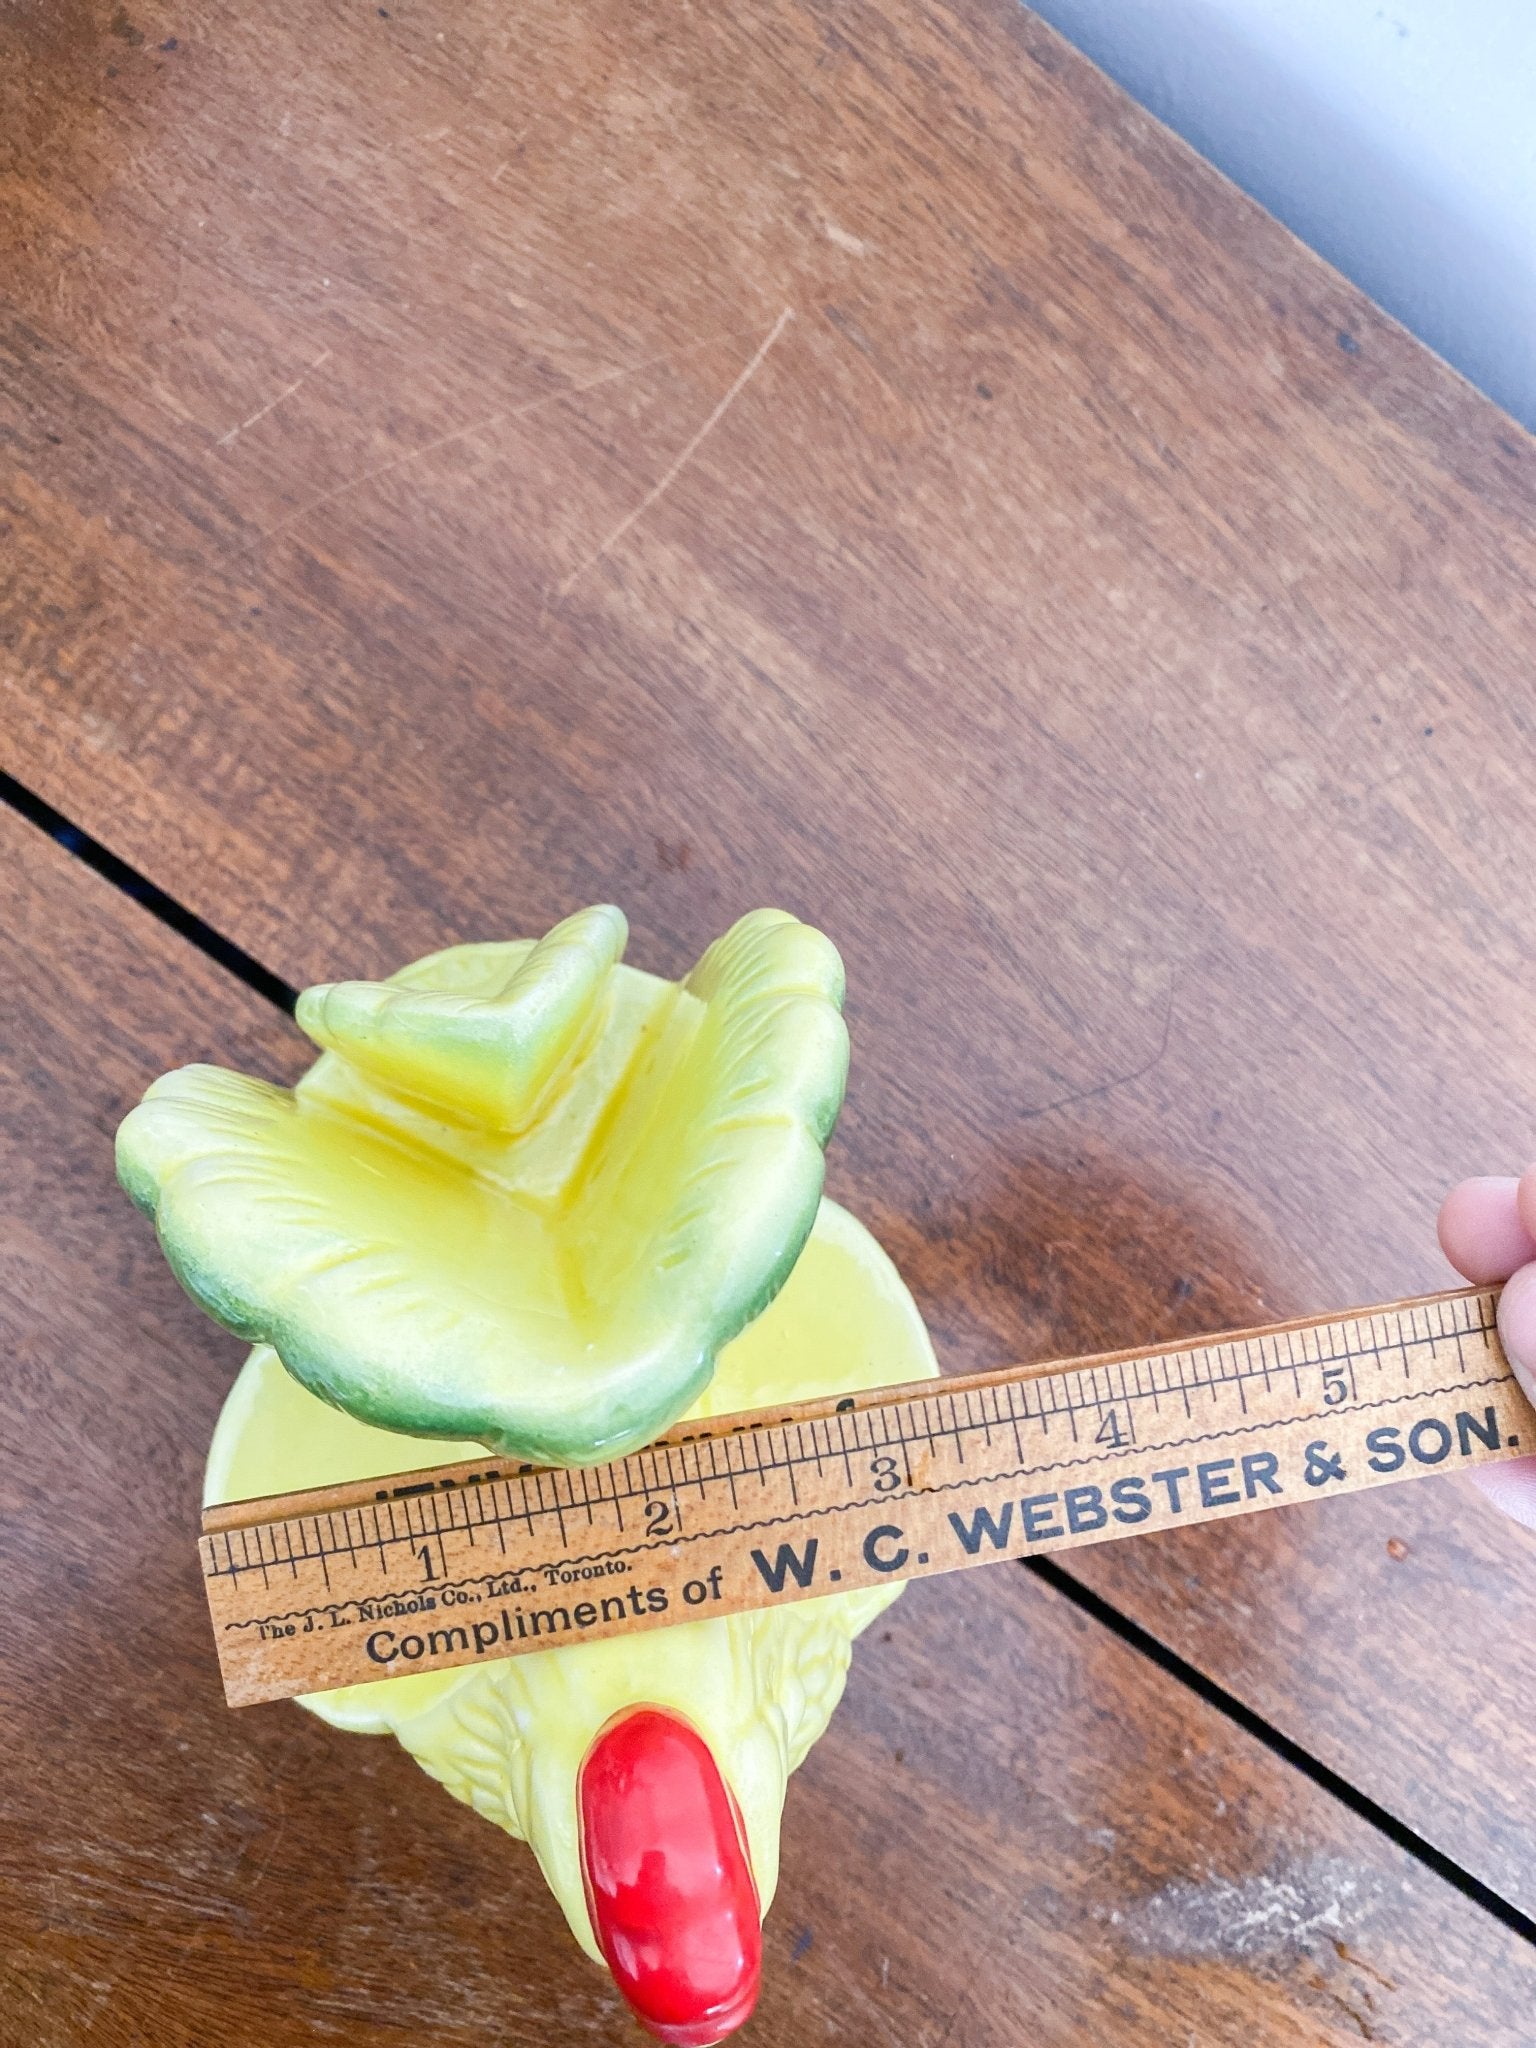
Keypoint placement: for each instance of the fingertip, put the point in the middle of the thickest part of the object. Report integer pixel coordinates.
(1517, 1324)
(1482, 1230)
(1511, 1487)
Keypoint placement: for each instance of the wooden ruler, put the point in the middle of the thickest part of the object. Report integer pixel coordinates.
(467, 1563)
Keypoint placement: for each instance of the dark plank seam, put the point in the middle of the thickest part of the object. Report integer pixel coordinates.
(1136, 1638)
(102, 861)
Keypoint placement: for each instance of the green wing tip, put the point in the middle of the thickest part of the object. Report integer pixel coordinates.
(210, 1161)
(137, 1182)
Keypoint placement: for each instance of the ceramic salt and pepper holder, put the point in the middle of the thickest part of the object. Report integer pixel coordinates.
(533, 1200)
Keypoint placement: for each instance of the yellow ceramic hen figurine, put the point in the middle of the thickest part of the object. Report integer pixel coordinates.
(532, 1199)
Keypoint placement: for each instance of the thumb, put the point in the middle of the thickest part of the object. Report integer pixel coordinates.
(1517, 1326)
(1512, 1486)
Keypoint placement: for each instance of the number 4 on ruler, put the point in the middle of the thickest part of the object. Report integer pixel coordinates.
(1113, 1432)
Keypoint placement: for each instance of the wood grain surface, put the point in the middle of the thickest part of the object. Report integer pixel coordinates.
(460, 467)
(1040, 1835)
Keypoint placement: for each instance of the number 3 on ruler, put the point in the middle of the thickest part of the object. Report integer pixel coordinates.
(885, 1475)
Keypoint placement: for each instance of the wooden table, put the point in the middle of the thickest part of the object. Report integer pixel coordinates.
(464, 462)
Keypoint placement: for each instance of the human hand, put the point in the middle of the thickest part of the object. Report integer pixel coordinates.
(1488, 1232)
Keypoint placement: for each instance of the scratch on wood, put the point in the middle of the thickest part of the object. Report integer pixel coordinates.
(1115, 1080)
(272, 403)
(676, 468)
(848, 330)
(841, 238)
(1298, 1908)
(234, 557)
(272, 1848)
(103, 1987)
(514, 148)
(954, 2020)
(469, 432)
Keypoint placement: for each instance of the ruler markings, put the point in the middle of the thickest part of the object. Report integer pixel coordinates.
(842, 1452)
(314, 1546)
(1290, 1418)
(731, 1476)
(1352, 1359)
(1024, 1471)
(841, 1507)
(789, 1473)
(900, 1443)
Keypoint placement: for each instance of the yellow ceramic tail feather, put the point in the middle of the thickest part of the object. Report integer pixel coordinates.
(484, 1060)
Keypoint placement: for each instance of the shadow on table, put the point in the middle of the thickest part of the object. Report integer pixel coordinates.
(1050, 1259)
